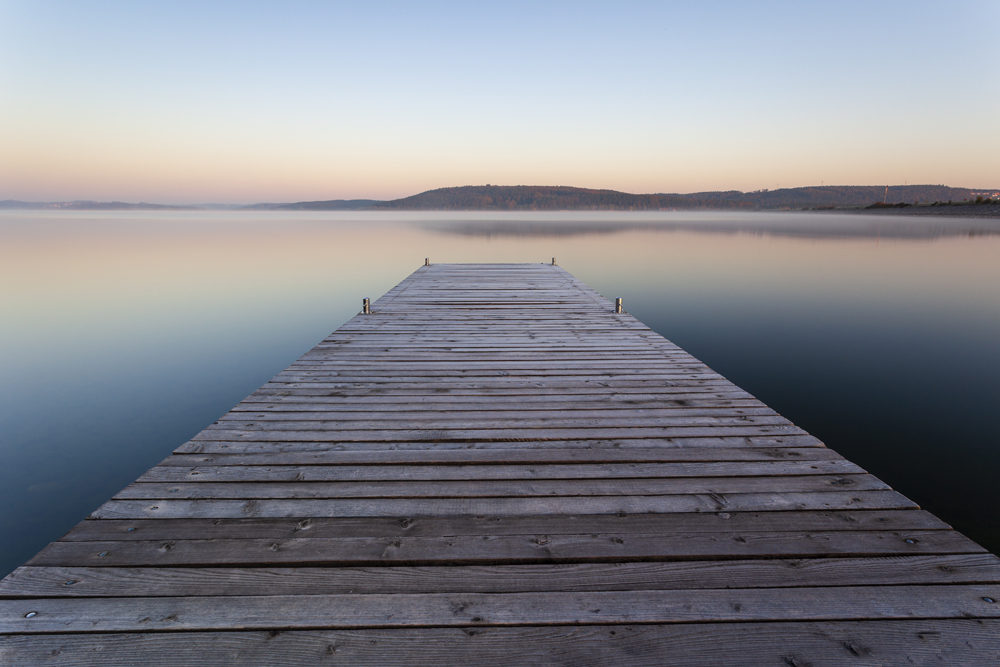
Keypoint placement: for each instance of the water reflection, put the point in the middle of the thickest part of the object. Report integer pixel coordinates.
(123, 334)
(799, 225)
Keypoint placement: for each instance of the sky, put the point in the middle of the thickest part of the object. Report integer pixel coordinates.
(244, 102)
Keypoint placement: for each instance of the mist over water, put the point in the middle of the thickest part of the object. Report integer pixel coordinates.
(124, 334)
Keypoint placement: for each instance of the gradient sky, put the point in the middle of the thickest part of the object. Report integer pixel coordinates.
(247, 102)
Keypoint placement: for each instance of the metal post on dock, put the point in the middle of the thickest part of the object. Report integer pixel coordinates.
(366, 307)
(618, 306)
(427, 261)
(553, 261)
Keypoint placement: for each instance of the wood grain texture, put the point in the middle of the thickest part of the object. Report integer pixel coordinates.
(494, 488)
(535, 456)
(494, 467)
(51, 581)
(824, 644)
(401, 610)
(213, 508)
(465, 550)
(497, 471)
(556, 524)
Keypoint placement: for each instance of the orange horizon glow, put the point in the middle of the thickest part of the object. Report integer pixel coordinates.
(141, 103)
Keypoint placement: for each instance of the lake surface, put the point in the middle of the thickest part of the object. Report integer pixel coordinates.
(124, 334)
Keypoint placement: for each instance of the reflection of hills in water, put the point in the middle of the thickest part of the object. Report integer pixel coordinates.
(815, 225)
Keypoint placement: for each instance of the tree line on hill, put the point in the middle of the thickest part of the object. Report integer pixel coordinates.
(545, 198)
(841, 196)
(564, 198)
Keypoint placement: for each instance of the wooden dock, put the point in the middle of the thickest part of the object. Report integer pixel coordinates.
(495, 468)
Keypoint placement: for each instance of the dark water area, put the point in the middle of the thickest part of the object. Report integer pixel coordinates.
(124, 334)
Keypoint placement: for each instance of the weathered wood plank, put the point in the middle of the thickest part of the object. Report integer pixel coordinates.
(623, 415)
(433, 364)
(248, 423)
(651, 391)
(385, 375)
(701, 443)
(485, 609)
(666, 575)
(500, 384)
(341, 402)
(620, 524)
(504, 506)
(499, 487)
(317, 473)
(463, 550)
(535, 456)
(499, 432)
(900, 643)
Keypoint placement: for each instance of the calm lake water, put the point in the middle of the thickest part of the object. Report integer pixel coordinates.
(124, 334)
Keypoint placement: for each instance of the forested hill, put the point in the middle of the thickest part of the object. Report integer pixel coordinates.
(563, 198)
(839, 195)
(545, 198)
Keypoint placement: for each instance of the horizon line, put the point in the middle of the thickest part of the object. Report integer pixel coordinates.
(58, 202)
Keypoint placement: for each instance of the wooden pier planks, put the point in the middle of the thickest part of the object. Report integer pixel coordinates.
(494, 466)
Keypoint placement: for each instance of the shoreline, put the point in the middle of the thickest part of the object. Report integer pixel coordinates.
(946, 211)
(981, 211)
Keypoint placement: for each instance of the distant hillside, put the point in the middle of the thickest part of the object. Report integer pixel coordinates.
(564, 198)
(544, 198)
(839, 196)
(331, 205)
(91, 206)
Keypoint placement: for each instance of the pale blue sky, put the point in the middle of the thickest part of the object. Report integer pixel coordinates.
(246, 102)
